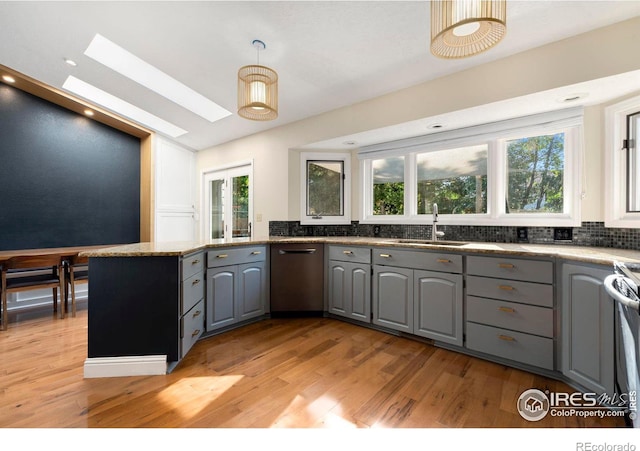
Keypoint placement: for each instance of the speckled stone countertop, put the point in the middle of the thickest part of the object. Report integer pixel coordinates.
(596, 255)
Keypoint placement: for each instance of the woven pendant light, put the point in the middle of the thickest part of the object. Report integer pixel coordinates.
(257, 90)
(462, 28)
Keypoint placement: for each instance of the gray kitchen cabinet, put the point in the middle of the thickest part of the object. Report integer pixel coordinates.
(252, 283)
(222, 292)
(419, 292)
(587, 328)
(393, 298)
(236, 286)
(509, 307)
(438, 306)
(349, 282)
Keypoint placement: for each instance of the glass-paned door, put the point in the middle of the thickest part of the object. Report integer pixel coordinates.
(228, 202)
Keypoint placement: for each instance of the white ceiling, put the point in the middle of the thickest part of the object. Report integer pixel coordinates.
(328, 54)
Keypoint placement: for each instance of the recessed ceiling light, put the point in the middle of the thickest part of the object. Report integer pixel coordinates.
(70, 62)
(435, 126)
(8, 79)
(125, 63)
(350, 143)
(572, 97)
(119, 106)
(88, 113)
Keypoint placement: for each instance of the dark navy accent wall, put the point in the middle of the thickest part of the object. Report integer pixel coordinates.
(65, 180)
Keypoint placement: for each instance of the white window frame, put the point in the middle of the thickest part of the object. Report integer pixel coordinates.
(495, 136)
(615, 165)
(345, 158)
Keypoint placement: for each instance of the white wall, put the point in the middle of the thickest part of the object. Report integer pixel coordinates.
(600, 53)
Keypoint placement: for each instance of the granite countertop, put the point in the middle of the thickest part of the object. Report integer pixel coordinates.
(596, 255)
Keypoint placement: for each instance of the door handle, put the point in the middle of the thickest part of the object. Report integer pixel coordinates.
(296, 251)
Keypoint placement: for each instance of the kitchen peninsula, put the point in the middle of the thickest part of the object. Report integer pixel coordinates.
(150, 302)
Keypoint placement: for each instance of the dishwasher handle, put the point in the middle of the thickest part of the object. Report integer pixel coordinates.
(296, 251)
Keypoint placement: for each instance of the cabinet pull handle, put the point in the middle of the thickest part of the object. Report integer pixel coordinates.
(385, 255)
(197, 313)
(195, 262)
(443, 260)
(195, 332)
(506, 265)
(221, 256)
(506, 338)
(507, 309)
(347, 252)
(195, 282)
(506, 287)
(256, 252)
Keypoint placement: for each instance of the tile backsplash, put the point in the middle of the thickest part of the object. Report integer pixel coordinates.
(588, 234)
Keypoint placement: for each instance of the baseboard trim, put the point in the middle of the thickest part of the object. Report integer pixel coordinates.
(145, 365)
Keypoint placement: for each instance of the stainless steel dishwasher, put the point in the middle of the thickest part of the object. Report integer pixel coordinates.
(297, 279)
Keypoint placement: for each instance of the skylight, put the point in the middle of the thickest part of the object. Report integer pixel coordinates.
(117, 105)
(120, 60)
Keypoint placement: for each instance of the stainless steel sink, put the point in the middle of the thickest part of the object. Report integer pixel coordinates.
(431, 242)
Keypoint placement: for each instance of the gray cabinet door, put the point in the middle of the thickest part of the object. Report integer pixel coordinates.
(221, 297)
(437, 307)
(359, 292)
(251, 290)
(393, 298)
(587, 328)
(338, 289)
(350, 290)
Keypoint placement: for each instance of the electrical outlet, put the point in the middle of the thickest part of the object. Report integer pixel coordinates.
(562, 234)
(376, 230)
(523, 234)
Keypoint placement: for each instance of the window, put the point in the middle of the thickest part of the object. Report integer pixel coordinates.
(455, 179)
(622, 163)
(524, 171)
(535, 174)
(388, 186)
(325, 184)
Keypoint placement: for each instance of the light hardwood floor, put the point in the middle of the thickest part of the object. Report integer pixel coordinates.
(278, 373)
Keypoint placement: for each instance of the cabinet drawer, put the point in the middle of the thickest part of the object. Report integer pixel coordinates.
(192, 291)
(511, 268)
(508, 315)
(235, 256)
(192, 326)
(517, 346)
(511, 290)
(191, 265)
(350, 254)
(427, 260)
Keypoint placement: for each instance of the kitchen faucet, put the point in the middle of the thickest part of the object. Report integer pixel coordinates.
(434, 229)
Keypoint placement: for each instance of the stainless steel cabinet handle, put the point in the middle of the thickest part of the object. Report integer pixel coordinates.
(195, 333)
(506, 265)
(195, 282)
(385, 255)
(296, 251)
(347, 252)
(506, 338)
(221, 256)
(507, 309)
(197, 313)
(195, 262)
(256, 252)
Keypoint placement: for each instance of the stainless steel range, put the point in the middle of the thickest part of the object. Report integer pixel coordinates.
(622, 286)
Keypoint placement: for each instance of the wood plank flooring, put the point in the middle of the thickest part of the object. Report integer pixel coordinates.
(278, 373)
